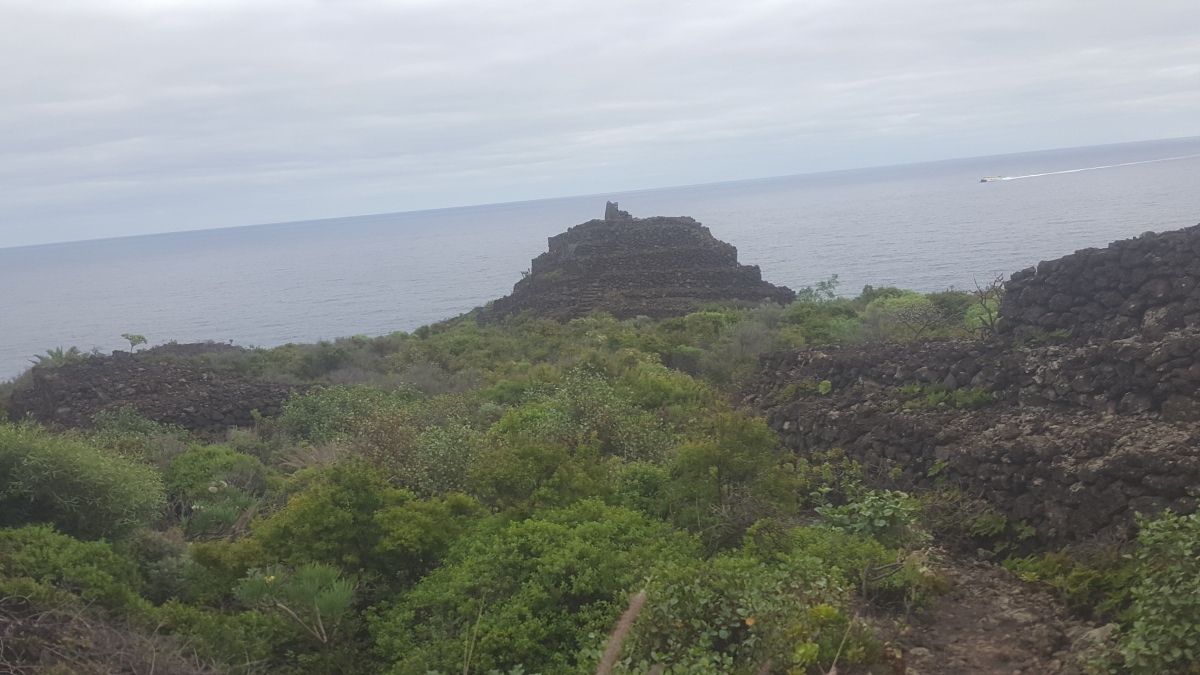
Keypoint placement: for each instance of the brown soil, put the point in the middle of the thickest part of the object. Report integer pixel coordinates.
(992, 623)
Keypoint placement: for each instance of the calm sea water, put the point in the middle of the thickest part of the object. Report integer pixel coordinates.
(924, 226)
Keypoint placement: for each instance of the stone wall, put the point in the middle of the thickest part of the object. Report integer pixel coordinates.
(1133, 375)
(1041, 452)
(1095, 413)
(166, 392)
(629, 267)
(1148, 285)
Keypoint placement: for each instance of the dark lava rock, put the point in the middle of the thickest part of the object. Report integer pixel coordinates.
(168, 392)
(1143, 286)
(1084, 429)
(656, 267)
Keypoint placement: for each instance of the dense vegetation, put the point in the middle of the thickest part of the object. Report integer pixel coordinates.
(487, 499)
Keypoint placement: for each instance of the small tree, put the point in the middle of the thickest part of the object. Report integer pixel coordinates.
(984, 314)
(920, 318)
(824, 291)
(134, 340)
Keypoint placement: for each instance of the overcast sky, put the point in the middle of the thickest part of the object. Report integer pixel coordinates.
(125, 117)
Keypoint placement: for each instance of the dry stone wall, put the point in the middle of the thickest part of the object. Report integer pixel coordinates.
(629, 267)
(1144, 286)
(170, 393)
(1040, 451)
(1094, 413)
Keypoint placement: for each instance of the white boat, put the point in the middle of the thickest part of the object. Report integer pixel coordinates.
(989, 179)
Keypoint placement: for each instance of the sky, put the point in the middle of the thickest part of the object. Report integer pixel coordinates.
(124, 117)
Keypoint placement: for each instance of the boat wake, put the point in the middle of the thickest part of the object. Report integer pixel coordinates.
(991, 179)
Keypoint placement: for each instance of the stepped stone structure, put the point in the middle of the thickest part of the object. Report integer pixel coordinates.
(628, 266)
(1095, 387)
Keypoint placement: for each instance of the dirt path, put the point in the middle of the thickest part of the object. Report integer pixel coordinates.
(992, 623)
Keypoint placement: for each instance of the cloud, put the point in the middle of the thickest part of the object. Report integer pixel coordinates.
(125, 117)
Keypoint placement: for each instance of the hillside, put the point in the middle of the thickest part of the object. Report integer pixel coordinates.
(983, 482)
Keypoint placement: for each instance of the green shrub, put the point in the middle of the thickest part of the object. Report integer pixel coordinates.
(58, 356)
(134, 436)
(644, 487)
(655, 387)
(327, 413)
(1162, 627)
(822, 322)
(82, 490)
(953, 304)
(729, 478)
(195, 473)
(91, 570)
(213, 486)
(585, 409)
(241, 641)
(347, 516)
(530, 474)
(905, 317)
(1097, 586)
(731, 614)
(889, 516)
(314, 597)
(918, 395)
(534, 592)
(161, 562)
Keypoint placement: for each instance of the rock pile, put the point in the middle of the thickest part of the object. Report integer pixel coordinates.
(1073, 438)
(166, 392)
(629, 267)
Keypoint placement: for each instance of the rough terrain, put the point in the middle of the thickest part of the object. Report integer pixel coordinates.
(1072, 434)
(991, 623)
(164, 391)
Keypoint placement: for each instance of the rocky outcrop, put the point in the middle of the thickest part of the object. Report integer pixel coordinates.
(1144, 286)
(168, 392)
(629, 267)
(1090, 407)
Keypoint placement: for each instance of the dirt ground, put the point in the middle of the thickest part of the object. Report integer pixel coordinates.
(992, 623)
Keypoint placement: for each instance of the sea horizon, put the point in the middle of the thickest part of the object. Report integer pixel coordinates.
(606, 195)
(926, 226)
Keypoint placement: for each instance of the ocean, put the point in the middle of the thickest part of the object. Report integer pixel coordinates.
(927, 227)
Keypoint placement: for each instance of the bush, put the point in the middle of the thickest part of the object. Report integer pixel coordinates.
(213, 486)
(889, 516)
(316, 598)
(530, 474)
(195, 473)
(134, 436)
(729, 478)
(347, 516)
(327, 413)
(91, 570)
(161, 562)
(1097, 586)
(733, 613)
(241, 641)
(532, 593)
(822, 322)
(583, 410)
(1162, 627)
(82, 490)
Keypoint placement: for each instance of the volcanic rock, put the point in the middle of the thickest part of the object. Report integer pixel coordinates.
(655, 267)
(1085, 411)
(168, 392)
